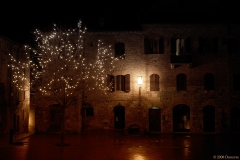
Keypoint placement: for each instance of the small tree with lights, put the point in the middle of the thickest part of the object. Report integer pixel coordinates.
(61, 70)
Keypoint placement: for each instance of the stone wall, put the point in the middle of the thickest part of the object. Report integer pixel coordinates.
(136, 63)
(14, 103)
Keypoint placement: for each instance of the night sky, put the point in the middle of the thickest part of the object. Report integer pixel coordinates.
(18, 20)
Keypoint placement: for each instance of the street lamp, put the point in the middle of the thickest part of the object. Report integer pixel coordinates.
(140, 81)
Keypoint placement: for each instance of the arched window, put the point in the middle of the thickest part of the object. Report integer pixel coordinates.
(181, 82)
(154, 82)
(209, 81)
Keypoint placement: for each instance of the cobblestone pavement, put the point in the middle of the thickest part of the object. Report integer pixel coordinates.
(113, 145)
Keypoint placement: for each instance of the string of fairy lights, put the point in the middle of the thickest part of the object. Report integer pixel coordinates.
(59, 61)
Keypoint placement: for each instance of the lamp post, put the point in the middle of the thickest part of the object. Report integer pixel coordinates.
(140, 82)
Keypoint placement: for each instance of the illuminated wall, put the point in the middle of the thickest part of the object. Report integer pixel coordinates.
(151, 54)
(14, 105)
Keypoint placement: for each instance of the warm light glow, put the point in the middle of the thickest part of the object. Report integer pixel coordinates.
(58, 67)
(138, 157)
(140, 82)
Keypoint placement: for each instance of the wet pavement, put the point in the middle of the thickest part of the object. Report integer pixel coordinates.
(113, 145)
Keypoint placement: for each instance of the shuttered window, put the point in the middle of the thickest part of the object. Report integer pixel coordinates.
(120, 82)
(123, 83)
(154, 82)
(127, 83)
(154, 46)
(208, 45)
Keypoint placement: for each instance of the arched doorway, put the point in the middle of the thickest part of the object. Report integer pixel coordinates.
(209, 119)
(119, 117)
(181, 118)
(154, 119)
(235, 119)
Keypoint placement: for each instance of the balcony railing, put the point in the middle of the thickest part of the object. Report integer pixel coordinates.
(180, 60)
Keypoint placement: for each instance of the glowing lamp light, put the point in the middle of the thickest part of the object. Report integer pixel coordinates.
(140, 82)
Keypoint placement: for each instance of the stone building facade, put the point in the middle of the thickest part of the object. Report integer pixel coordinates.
(14, 103)
(190, 82)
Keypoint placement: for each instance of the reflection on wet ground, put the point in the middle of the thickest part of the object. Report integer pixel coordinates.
(113, 145)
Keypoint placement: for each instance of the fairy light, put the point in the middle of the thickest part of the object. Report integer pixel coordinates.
(61, 63)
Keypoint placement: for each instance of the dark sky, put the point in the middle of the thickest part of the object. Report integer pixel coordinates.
(19, 19)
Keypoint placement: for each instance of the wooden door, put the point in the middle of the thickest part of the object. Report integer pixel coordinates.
(154, 119)
(119, 117)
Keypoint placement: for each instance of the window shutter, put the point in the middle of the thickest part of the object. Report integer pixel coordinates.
(173, 46)
(122, 82)
(127, 83)
(118, 82)
(161, 46)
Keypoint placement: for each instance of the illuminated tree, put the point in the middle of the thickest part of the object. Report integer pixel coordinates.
(61, 70)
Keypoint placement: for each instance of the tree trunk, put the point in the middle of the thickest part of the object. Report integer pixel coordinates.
(62, 142)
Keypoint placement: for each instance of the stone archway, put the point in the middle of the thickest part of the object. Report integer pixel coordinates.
(181, 118)
(119, 117)
(154, 119)
(209, 119)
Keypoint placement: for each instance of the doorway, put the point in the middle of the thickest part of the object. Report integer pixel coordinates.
(154, 119)
(209, 119)
(119, 117)
(181, 118)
